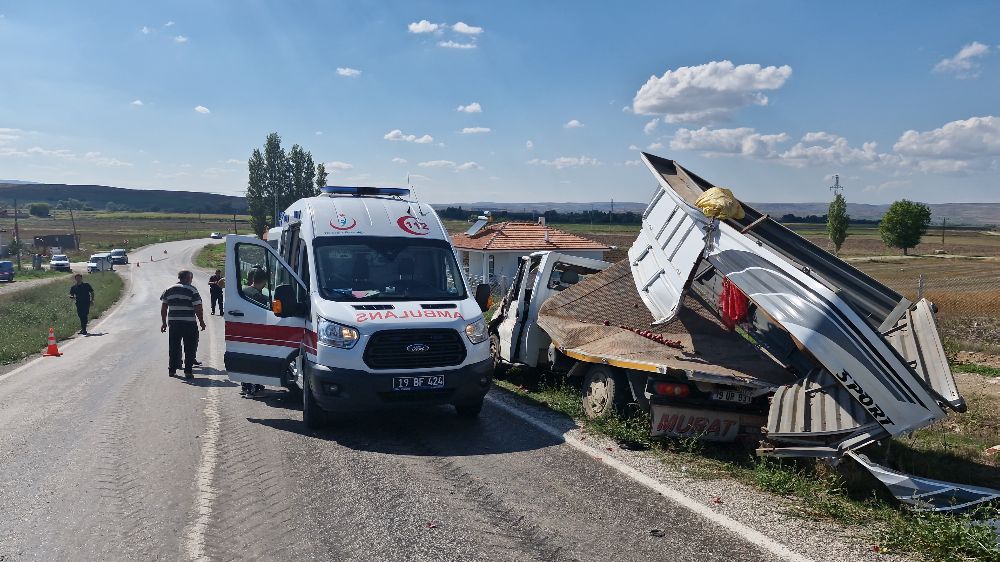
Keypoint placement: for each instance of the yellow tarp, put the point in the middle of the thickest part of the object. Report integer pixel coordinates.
(720, 203)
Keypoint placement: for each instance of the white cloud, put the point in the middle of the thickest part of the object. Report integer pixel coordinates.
(437, 164)
(456, 45)
(565, 162)
(627, 109)
(468, 166)
(8, 134)
(633, 162)
(145, 30)
(573, 124)
(338, 165)
(180, 39)
(633, 147)
(888, 185)
(348, 72)
(473, 107)
(742, 141)
(959, 146)
(651, 126)
(202, 109)
(654, 146)
(319, 133)
(137, 103)
(475, 130)
(398, 160)
(93, 157)
(965, 64)
(462, 27)
(423, 26)
(397, 135)
(707, 92)
(169, 24)
(529, 145)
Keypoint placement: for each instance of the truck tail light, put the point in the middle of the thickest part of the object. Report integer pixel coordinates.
(671, 389)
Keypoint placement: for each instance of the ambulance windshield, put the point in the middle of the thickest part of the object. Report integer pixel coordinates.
(375, 268)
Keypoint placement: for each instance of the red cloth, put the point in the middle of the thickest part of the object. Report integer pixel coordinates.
(732, 304)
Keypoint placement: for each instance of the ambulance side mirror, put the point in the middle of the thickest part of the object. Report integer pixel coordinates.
(483, 294)
(284, 303)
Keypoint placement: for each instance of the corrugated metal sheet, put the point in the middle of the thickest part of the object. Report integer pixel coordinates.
(816, 405)
(916, 338)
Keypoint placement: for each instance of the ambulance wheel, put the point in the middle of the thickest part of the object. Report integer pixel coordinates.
(469, 410)
(313, 415)
(499, 367)
(605, 391)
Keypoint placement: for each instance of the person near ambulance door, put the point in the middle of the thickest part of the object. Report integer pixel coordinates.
(215, 286)
(83, 294)
(253, 290)
(182, 312)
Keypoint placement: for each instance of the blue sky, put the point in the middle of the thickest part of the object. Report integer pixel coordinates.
(767, 98)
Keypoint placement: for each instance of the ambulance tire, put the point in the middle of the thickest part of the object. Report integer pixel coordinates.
(469, 410)
(605, 391)
(313, 415)
(499, 367)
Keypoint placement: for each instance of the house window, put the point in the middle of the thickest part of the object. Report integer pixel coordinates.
(492, 268)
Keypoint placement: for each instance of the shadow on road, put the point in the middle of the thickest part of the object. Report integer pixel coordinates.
(94, 334)
(426, 431)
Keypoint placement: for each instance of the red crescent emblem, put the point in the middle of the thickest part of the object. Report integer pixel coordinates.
(345, 227)
(413, 226)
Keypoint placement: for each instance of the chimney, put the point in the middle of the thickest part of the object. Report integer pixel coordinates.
(541, 221)
(546, 234)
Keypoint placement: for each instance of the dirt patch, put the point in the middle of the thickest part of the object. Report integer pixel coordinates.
(979, 358)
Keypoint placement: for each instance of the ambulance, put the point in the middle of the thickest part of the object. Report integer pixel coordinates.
(357, 301)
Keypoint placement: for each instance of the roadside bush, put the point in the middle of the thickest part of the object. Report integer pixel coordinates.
(39, 209)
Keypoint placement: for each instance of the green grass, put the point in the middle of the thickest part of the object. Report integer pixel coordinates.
(212, 256)
(27, 274)
(983, 370)
(25, 316)
(848, 496)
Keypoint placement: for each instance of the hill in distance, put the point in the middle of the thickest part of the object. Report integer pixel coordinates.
(98, 197)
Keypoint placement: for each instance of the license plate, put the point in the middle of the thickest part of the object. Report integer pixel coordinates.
(708, 425)
(732, 396)
(418, 383)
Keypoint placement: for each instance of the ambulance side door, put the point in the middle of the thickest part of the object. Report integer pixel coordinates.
(260, 344)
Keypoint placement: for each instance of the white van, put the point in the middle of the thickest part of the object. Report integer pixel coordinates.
(100, 262)
(362, 305)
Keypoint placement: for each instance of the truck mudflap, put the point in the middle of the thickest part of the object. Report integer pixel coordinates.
(924, 494)
(703, 424)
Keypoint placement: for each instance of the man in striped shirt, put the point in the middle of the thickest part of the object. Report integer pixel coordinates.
(181, 310)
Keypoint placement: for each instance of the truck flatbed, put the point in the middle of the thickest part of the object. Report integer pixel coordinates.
(575, 320)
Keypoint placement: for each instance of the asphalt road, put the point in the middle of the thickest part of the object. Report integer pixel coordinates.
(104, 457)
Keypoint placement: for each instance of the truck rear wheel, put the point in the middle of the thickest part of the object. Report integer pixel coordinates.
(314, 416)
(605, 391)
(499, 367)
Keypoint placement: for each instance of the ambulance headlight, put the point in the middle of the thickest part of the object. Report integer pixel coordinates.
(336, 335)
(477, 332)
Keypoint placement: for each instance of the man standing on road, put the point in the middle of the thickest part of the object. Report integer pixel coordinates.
(215, 290)
(181, 305)
(83, 294)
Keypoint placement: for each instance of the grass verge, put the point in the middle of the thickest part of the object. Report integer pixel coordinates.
(27, 274)
(212, 256)
(983, 370)
(848, 495)
(25, 316)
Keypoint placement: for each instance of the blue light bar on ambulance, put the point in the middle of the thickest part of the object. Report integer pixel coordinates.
(360, 191)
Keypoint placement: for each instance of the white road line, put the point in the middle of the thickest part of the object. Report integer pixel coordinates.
(194, 534)
(746, 533)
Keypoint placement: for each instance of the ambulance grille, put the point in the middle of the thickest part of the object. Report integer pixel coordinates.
(387, 349)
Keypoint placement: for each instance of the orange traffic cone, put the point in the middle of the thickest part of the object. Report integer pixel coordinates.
(53, 349)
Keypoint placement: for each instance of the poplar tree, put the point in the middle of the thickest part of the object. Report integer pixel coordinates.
(258, 204)
(320, 177)
(837, 221)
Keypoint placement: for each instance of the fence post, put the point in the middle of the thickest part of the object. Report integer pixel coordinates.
(920, 286)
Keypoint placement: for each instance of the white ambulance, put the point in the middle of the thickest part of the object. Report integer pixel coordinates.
(361, 305)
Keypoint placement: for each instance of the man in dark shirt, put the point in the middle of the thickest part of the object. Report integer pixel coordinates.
(83, 294)
(180, 310)
(215, 290)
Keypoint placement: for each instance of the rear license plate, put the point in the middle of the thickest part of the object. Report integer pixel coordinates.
(418, 383)
(732, 396)
(709, 425)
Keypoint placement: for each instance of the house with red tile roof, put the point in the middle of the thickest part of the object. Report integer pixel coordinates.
(493, 252)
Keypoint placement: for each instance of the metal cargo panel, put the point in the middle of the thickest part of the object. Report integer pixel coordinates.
(815, 406)
(916, 338)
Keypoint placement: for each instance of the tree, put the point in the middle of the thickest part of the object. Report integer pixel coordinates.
(904, 224)
(39, 209)
(258, 203)
(14, 248)
(74, 204)
(320, 177)
(309, 177)
(299, 160)
(277, 176)
(837, 221)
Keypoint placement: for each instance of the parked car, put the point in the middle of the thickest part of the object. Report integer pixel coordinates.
(6, 271)
(119, 257)
(215, 235)
(100, 262)
(59, 262)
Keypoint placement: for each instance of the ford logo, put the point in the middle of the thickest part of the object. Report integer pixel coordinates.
(417, 348)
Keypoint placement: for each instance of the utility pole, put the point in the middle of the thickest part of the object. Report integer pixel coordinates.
(944, 224)
(836, 187)
(17, 237)
(75, 235)
(612, 213)
(234, 223)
